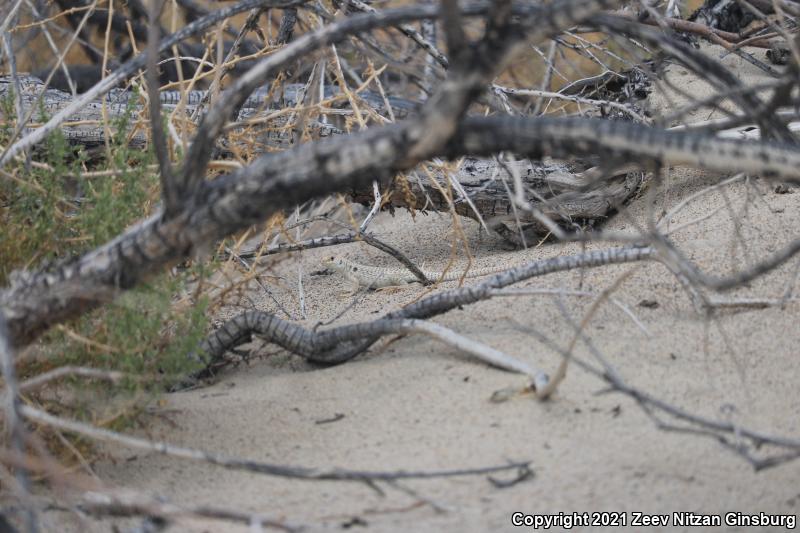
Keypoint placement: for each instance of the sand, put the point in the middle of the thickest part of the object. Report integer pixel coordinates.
(417, 404)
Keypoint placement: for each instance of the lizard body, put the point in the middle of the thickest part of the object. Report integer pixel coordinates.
(377, 277)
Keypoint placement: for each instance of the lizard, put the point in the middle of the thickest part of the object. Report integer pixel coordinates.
(379, 278)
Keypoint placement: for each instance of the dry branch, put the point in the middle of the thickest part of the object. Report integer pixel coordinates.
(246, 465)
(339, 344)
(271, 184)
(198, 212)
(235, 201)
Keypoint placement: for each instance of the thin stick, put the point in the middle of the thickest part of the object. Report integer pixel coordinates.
(376, 206)
(64, 371)
(14, 426)
(257, 467)
(170, 190)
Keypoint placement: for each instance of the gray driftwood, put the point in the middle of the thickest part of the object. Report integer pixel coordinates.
(560, 192)
(86, 126)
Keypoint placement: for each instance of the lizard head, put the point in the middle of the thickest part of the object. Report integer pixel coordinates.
(334, 262)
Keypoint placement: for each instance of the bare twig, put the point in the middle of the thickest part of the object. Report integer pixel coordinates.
(256, 467)
(170, 190)
(14, 427)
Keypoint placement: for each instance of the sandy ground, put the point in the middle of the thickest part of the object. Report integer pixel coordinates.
(417, 404)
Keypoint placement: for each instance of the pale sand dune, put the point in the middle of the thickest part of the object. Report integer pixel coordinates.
(418, 405)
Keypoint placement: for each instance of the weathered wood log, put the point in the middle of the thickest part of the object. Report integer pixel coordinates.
(563, 193)
(557, 191)
(86, 127)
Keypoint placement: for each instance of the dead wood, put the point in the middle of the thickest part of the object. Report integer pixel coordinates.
(561, 192)
(501, 175)
(86, 126)
(272, 182)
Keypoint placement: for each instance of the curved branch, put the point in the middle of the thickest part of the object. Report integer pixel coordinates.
(336, 345)
(275, 182)
(624, 141)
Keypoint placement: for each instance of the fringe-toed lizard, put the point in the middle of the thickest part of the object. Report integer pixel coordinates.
(378, 278)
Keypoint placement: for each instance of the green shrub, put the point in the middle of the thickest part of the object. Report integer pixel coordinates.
(57, 208)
